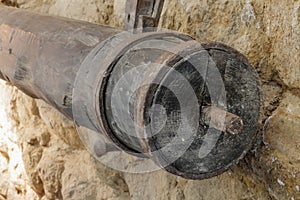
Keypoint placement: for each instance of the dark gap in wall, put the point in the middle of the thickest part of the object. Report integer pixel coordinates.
(10, 3)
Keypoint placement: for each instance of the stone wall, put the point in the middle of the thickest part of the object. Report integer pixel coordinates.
(41, 156)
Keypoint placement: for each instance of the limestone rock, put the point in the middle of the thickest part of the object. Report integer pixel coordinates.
(225, 186)
(277, 164)
(268, 37)
(286, 119)
(13, 177)
(59, 125)
(90, 10)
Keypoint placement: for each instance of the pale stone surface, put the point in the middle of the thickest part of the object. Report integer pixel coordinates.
(34, 154)
(277, 163)
(13, 177)
(266, 33)
(162, 185)
(41, 149)
(286, 119)
(90, 10)
(59, 125)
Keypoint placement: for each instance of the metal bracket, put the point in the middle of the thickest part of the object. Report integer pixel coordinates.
(142, 15)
